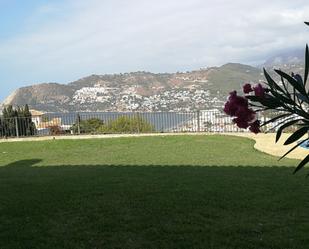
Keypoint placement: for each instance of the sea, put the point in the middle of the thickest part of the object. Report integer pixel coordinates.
(161, 121)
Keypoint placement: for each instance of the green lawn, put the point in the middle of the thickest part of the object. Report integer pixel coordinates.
(150, 192)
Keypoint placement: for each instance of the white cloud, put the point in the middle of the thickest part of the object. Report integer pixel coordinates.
(81, 37)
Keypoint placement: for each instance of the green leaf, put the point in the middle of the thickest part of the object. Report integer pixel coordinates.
(253, 98)
(300, 88)
(296, 135)
(299, 79)
(302, 164)
(298, 144)
(272, 84)
(306, 65)
(281, 128)
(302, 97)
(276, 118)
(283, 99)
(268, 101)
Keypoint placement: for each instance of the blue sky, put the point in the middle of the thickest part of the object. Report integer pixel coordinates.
(62, 41)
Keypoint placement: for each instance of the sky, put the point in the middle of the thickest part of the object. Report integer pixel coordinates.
(64, 40)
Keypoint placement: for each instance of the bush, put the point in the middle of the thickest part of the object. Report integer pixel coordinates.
(92, 125)
(123, 124)
(55, 130)
(127, 124)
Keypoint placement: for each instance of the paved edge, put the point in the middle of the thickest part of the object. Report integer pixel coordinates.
(266, 143)
(263, 142)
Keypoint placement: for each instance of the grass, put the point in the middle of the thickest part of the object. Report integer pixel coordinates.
(150, 192)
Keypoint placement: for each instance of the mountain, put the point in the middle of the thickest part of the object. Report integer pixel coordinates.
(46, 96)
(291, 57)
(140, 91)
(289, 61)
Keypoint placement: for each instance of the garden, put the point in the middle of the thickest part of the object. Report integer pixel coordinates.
(190, 191)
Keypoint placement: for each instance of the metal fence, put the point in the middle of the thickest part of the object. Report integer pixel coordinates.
(108, 123)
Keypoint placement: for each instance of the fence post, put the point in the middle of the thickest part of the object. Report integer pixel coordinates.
(198, 121)
(131, 118)
(138, 128)
(78, 124)
(16, 127)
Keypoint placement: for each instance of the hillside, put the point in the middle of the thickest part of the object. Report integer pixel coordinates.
(289, 61)
(292, 57)
(139, 91)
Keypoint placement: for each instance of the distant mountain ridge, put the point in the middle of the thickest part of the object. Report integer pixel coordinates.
(292, 57)
(139, 91)
(144, 91)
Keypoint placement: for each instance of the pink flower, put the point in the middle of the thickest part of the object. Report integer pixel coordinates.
(238, 100)
(255, 127)
(234, 103)
(247, 88)
(238, 107)
(241, 123)
(259, 90)
(229, 109)
(245, 114)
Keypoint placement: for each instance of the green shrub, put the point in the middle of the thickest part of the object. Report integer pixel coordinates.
(123, 124)
(92, 125)
(127, 124)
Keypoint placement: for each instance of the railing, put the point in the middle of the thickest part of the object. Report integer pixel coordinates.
(17, 127)
(107, 123)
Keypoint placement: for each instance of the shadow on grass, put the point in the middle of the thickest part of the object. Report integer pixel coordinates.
(235, 174)
(216, 171)
(152, 206)
(24, 163)
(36, 162)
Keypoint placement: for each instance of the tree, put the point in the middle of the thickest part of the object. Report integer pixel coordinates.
(17, 122)
(9, 121)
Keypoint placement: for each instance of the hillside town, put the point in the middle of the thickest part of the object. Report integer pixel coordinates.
(128, 99)
(201, 89)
